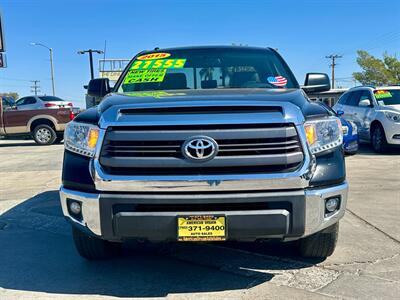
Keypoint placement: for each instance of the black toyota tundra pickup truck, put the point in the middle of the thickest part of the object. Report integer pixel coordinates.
(202, 144)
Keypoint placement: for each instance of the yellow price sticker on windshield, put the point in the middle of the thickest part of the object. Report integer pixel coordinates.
(153, 56)
(173, 63)
(140, 76)
(381, 94)
(154, 94)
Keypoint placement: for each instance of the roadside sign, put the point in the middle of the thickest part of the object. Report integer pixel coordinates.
(2, 60)
(112, 75)
(2, 47)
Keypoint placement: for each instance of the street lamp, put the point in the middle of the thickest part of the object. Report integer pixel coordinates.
(51, 65)
(90, 51)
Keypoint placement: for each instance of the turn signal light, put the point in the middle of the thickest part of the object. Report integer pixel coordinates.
(310, 133)
(93, 137)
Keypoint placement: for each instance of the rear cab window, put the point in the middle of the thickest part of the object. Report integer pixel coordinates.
(5, 104)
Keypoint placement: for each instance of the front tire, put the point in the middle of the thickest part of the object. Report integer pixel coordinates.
(44, 135)
(378, 139)
(321, 244)
(93, 248)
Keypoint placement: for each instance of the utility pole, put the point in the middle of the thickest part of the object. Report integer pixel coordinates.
(91, 51)
(35, 88)
(333, 57)
(51, 65)
(52, 72)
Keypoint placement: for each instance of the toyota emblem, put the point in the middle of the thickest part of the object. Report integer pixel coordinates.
(200, 148)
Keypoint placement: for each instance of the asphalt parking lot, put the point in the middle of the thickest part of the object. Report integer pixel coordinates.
(38, 260)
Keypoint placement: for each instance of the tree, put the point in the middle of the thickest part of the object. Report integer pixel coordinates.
(377, 71)
(11, 94)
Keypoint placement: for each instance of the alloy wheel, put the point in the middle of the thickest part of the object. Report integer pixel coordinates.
(43, 135)
(377, 139)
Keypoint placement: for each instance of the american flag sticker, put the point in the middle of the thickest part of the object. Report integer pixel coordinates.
(277, 80)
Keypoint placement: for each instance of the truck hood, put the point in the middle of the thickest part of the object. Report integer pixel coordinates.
(109, 109)
(158, 99)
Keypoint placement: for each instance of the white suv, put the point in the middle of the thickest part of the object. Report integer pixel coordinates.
(376, 111)
(41, 102)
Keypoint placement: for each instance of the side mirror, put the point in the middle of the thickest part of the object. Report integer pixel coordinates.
(340, 113)
(316, 82)
(98, 87)
(365, 103)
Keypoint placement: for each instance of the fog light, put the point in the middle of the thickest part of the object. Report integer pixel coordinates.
(75, 207)
(331, 204)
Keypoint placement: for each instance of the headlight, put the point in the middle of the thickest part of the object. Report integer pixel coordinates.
(323, 134)
(81, 138)
(392, 116)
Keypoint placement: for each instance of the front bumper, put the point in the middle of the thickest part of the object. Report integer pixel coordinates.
(392, 132)
(286, 215)
(351, 146)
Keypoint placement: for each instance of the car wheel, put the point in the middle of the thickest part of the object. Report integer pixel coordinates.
(44, 135)
(321, 244)
(378, 139)
(93, 248)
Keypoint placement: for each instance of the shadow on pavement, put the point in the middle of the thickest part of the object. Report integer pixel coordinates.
(37, 254)
(18, 144)
(366, 149)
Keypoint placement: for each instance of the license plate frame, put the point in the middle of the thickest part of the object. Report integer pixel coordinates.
(205, 228)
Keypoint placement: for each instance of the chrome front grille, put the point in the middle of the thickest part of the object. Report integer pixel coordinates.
(156, 150)
(230, 147)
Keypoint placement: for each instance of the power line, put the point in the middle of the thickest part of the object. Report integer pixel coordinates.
(333, 57)
(374, 42)
(35, 88)
(13, 79)
(13, 85)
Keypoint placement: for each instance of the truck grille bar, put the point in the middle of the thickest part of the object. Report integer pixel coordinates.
(256, 148)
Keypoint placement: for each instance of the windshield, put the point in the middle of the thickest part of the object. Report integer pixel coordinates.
(50, 98)
(207, 68)
(387, 97)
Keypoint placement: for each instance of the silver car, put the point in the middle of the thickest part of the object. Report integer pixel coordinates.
(376, 112)
(41, 102)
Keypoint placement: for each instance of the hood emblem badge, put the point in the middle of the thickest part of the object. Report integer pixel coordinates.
(200, 148)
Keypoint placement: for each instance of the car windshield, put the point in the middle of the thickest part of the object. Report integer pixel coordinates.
(387, 97)
(207, 68)
(50, 98)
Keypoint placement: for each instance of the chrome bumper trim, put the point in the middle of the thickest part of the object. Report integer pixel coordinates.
(90, 208)
(315, 207)
(315, 219)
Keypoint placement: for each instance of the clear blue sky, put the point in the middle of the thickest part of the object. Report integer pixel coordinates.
(303, 31)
